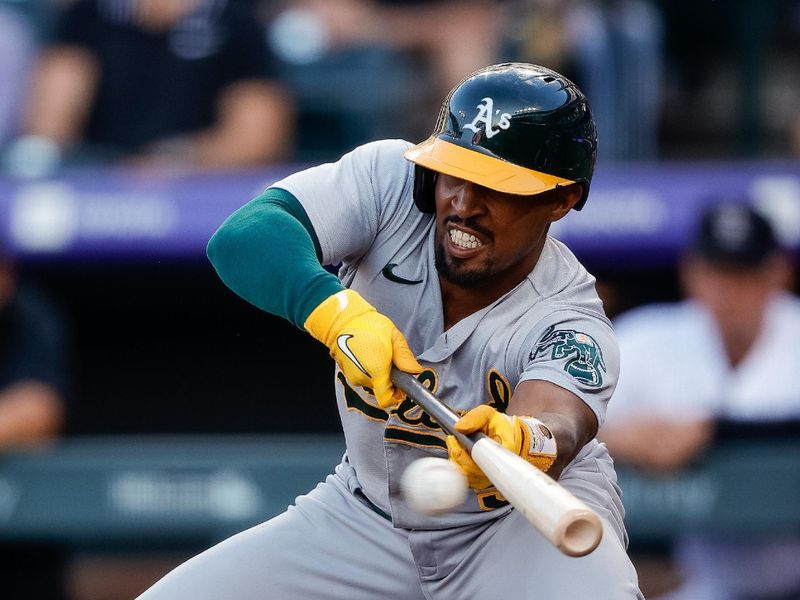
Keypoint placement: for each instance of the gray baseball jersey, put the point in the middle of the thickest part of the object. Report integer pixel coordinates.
(551, 327)
(353, 537)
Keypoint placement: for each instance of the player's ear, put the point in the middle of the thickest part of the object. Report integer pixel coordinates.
(565, 198)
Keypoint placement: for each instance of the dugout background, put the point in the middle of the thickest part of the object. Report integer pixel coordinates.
(687, 94)
(165, 347)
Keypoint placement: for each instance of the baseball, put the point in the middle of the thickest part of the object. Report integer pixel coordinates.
(433, 486)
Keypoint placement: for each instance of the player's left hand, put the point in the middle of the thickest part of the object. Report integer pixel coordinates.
(527, 437)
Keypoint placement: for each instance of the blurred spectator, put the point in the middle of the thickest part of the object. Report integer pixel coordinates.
(156, 82)
(613, 48)
(32, 410)
(727, 353)
(727, 63)
(407, 54)
(32, 369)
(17, 47)
(455, 37)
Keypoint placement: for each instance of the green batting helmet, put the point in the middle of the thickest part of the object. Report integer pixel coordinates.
(513, 127)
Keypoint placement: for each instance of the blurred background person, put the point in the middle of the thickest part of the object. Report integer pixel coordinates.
(613, 49)
(413, 26)
(33, 370)
(727, 354)
(17, 50)
(33, 392)
(155, 82)
(368, 69)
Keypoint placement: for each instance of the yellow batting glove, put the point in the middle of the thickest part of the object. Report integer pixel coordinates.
(526, 436)
(363, 342)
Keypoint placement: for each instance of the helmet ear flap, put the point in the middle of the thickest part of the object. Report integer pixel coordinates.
(584, 197)
(424, 184)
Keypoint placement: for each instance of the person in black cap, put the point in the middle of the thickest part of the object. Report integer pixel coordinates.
(734, 268)
(736, 234)
(727, 354)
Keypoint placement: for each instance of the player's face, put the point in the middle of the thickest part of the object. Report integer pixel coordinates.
(484, 237)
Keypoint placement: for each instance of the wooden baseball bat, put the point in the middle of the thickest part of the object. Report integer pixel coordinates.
(565, 521)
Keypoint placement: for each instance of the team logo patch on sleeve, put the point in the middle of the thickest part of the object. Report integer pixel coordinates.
(585, 358)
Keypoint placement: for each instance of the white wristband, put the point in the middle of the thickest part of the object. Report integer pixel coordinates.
(540, 440)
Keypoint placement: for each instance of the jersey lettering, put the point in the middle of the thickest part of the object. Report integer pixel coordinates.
(408, 412)
(354, 401)
(586, 358)
(490, 499)
(413, 437)
(411, 414)
(499, 390)
(418, 420)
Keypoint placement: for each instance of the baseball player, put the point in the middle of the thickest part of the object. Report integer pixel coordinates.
(448, 273)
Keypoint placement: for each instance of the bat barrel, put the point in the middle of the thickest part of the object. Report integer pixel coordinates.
(581, 532)
(568, 523)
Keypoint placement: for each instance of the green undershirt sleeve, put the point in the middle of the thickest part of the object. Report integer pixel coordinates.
(267, 252)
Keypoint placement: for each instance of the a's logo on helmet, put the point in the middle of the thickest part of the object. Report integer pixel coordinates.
(485, 115)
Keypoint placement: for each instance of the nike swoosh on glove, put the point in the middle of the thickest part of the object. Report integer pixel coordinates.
(364, 343)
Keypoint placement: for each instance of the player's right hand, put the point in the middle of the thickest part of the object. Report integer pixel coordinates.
(364, 343)
(527, 437)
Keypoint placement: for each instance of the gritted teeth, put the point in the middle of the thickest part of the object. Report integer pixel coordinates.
(462, 239)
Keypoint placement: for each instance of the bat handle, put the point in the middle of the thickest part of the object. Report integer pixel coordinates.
(441, 413)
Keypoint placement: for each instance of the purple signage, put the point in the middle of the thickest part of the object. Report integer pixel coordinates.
(635, 213)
